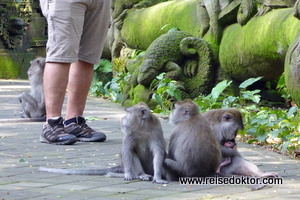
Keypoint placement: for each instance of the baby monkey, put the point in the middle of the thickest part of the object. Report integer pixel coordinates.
(227, 160)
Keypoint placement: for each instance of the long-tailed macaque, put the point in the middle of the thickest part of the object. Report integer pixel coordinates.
(143, 148)
(33, 103)
(193, 149)
(225, 124)
(225, 161)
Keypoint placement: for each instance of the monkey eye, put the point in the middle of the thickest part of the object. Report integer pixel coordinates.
(227, 117)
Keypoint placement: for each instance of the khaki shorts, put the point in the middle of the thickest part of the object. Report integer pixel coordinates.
(76, 29)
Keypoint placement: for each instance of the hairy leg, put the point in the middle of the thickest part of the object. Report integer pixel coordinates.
(80, 79)
(55, 84)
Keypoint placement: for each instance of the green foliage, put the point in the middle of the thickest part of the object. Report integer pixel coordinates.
(102, 75)
(104, 85)
(167, 90)
(114, 88)
(281, 87)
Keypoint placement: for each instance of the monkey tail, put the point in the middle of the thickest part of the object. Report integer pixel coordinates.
(42, 119)
(117, 169)
(115, 175)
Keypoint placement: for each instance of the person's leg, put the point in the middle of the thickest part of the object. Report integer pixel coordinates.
(95, 28)
(55, 84)
(80, 79)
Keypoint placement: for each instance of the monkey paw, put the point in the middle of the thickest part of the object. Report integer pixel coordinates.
(145, 177)
(160, 181)
(129, 177)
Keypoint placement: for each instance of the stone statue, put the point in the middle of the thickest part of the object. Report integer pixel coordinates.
(182, 57)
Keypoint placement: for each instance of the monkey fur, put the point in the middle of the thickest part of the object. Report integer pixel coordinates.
(33, 103)
(225, 124)
(193, 149)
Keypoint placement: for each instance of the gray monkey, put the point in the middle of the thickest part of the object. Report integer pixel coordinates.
(143, 148)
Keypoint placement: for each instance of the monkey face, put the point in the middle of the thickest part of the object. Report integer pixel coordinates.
(135, 117)
(230, 125)
(182, 111)
(230, 143)
(36, 66)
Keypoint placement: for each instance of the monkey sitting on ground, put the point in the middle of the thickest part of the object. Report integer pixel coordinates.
(193, 149)
(143, 148)
(33, 104)
(225, 124)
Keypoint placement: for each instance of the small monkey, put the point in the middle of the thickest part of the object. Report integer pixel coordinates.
(143, 148)
(225, 161)
(193, 149)
(33, 103)
(225, 124)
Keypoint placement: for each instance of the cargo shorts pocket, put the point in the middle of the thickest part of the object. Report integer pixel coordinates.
(44, 4)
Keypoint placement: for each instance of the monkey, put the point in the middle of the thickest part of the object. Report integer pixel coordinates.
(193, 149)
(33, 103)
(14, 120)
(230, 143)
(225, 161)
(143, 148)
(225, 124)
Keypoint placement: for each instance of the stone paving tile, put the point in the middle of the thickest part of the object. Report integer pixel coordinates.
(21, 154)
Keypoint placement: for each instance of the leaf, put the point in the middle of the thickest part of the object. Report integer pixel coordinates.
(285, 145)
(262, 137)
(22, 160)
(105, 66)
(281, 82)
(158, 99)
(292, 110)
(252, 131)
(219, 88)
(252, 140)
(152, 83)
(177, 95)
(249, 82)
(173, 29)
(162, 28)
(161, 76)
(91, 118)
(275, 133)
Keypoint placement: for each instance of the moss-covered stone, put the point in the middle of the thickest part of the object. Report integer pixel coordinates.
(15, 65)
(142, 27)
(259, 47)
(138, 94)
(292, 71)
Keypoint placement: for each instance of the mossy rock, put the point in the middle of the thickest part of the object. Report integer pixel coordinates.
(141, 27)
(139, 94)
(15, 65)
(292, 71)
(259, 47)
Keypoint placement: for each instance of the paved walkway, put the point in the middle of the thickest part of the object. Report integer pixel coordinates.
(21, 154)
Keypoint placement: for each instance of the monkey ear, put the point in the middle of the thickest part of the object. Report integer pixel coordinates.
(144, 113)
(227, 117)
(187, 113)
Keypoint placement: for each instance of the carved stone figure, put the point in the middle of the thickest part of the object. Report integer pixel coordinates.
(182, 57)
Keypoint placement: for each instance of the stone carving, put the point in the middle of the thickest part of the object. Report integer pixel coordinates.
(23, 36)
(14, 19)
(292, 70)
(182, 57)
